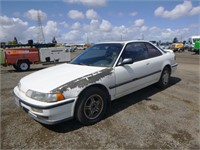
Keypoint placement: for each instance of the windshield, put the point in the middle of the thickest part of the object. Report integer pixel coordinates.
(100, 55)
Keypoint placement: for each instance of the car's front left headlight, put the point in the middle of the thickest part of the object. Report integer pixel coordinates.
(45, 97)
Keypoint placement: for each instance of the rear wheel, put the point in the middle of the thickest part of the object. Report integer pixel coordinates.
(23, 65)
(91, 106)
(164, 79)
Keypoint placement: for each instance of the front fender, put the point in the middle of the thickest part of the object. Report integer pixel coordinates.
(73, 88)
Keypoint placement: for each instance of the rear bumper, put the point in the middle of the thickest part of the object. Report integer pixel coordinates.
(174, 67)
(46, 113)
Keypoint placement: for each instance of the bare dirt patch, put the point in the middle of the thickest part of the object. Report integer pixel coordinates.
(147, 119)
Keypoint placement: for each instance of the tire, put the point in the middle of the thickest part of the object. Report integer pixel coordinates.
(23, 65)
(91, 106)
(164, 79)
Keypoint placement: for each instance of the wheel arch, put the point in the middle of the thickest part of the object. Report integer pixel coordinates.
(23, 60)
(98, 85)
(101, 87)
(167, 66)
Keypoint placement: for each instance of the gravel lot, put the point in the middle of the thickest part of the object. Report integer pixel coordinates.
(147, 119)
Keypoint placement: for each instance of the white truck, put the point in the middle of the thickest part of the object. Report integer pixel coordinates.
(192, 40)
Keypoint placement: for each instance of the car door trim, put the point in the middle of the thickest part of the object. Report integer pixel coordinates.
(135, 79)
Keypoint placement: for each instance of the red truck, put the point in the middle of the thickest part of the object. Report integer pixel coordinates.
(21, 58)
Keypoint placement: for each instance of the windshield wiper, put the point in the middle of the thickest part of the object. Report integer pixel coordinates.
(81, 64)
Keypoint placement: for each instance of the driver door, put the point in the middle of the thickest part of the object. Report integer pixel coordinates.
(131, 77)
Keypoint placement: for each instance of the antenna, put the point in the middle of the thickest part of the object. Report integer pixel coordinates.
(40, 38)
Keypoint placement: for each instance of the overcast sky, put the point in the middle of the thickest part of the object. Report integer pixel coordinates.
(99, 20)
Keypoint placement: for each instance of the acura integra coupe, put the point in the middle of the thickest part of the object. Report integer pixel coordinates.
(83, 88)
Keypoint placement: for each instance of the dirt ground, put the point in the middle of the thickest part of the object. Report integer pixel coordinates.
(147, 119)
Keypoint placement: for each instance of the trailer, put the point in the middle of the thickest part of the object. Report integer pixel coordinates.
(22, 58)
(54, 55)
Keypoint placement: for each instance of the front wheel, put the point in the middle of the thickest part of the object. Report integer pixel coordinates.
(164, 79)
(91, 106)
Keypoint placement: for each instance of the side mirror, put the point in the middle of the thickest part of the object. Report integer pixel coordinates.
(126, 61)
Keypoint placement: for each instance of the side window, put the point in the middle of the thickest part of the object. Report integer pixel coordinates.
(136, 51)
(152, 51)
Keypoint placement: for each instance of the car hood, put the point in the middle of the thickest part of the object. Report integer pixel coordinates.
(48, 79)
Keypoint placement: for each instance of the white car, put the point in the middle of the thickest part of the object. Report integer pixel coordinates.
(84, 88)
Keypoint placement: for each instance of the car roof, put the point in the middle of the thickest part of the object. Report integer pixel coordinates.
(122, 42)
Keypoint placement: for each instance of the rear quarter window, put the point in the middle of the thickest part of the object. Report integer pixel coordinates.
(152, 51)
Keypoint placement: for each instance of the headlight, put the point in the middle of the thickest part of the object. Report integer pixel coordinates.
(45, 97)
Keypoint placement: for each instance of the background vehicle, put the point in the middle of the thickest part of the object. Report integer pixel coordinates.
(54, 55)
(86, 46)
(194, 43)
(187, 46)
(197, 46)
(164, 45)
(70, 47)
(192, 39)
(177, 47)
(22, 58)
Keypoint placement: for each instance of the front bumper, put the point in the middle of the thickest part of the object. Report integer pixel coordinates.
(46, 113)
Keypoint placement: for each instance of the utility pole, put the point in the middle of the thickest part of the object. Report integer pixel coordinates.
(40, 38)
(181, 38)
(87, 40)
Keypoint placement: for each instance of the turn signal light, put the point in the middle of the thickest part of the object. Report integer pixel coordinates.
(59, 97)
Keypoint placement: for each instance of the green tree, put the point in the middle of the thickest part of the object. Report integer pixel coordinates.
(15, 41)
(175, 40)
